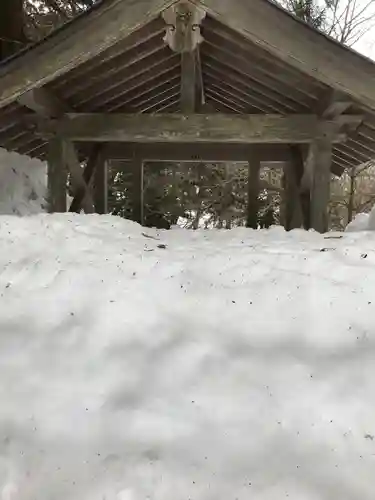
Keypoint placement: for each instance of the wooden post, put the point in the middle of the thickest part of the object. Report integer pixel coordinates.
(253, 191)
(293, 172)
(100, 187)
(321, 158)
(57, 175)
(80, 186)
(138, 204)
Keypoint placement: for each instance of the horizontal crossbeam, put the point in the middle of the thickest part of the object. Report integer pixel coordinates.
(198, 128)
(192, 153)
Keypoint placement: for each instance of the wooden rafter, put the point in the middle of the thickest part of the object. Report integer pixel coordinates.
(299, 45)
(66, 49)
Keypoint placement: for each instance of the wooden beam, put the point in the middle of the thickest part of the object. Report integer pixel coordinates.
(199, 85)
(177, 128)
(321, 158)
(215, 153)
(100, 187)
(43, 103)
(186, 39)
(253, 187)
(184, 42)
(57, 176)
(299, 45)
(78, 42)
(207, 153)
(188, 82)
(336, 108)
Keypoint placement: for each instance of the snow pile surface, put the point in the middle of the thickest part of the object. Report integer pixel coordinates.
(184, 365)
(362, 222)
(23, 182)
(359, 223)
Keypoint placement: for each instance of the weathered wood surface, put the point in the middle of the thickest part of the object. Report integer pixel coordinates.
(183, 21)
(137, 169)
(57, 176)
(299, 45)
(100, 187)
(78, 42)
(293, 172)
(43, 103)
(170, 152)
(321, 158)
(81, 189)
(332, 103)
(94, 161)
(253, 187)
(197, 128)
(188, 82)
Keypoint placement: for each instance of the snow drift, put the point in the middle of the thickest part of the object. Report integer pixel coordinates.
(23, 182)
(359, 223)
(212, 365)
(362, 222)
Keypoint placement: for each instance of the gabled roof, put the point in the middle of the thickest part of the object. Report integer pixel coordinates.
(256, 58)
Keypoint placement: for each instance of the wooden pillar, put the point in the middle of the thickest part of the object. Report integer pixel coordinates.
(57, 175)
(321, 159)
(100, 187)
(293, 173)
(138, 202)
(253, 191)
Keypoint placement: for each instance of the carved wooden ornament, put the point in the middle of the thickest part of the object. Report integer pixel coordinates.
(183, 26)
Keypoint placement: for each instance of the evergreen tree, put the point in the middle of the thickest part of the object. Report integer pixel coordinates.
(309, 11)
(12, 36)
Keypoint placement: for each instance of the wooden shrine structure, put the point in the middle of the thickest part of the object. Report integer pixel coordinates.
(190, 81)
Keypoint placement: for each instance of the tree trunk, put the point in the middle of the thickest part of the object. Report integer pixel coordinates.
(12, 37)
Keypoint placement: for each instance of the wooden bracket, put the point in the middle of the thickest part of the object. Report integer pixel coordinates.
(332, 104)
(44, 103)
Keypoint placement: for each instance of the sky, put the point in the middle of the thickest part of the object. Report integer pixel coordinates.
(366, 45)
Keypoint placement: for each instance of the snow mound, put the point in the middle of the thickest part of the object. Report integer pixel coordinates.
(23, 183)
(362, 222)
(371, 220)
(137, 364)
(359, 223)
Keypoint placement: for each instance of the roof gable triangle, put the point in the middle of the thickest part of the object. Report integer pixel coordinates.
(81, 40)
(299, 45)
